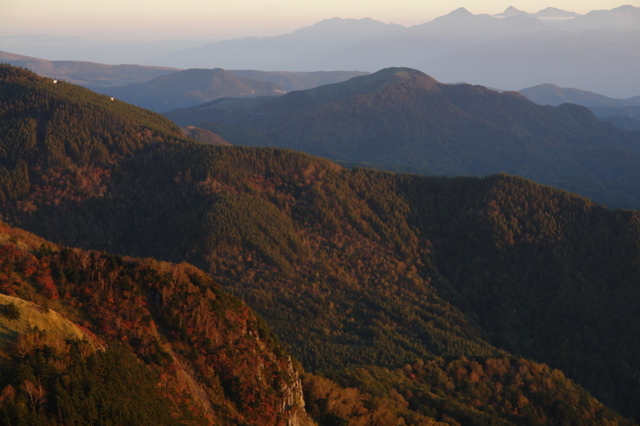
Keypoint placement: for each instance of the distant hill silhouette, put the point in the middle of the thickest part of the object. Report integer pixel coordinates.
(133, 84)
(88, 74)
(550, 94)
(623, 113)
(400, 119)
(191, 87)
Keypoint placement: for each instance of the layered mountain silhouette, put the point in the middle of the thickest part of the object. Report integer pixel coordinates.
(196, 86)
(88, 74)
(549, 14)
(624, 113)
(550, 94)
(191, 87)
(403, 120)
(285, 52)
(510, 51)
(163, 89)
(421, 299)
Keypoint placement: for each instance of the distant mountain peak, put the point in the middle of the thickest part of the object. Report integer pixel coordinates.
(398, 71)
(625, 8)
(342, 22)
(460, 12)
(512, 11)
(413, 80)
(396, 74)
(345, 28)
(552, 12)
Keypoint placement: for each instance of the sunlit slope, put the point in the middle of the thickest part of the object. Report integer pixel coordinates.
(92, 338)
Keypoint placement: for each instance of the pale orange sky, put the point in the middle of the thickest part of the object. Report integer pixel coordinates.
(158, 19)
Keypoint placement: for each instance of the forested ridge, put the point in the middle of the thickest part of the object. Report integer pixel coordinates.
(416, 299)
(164, 344)
(402, 120)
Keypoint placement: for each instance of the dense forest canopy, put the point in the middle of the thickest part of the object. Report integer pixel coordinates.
(407, 298)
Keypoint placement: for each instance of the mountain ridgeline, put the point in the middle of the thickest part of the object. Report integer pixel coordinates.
(87, 74)
(164, 89)
(623, 113)
(402, 120)
(408, 299)
(191, 87)
(509, 51)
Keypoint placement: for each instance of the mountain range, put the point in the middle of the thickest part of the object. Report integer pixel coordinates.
(88, 74)
(191, 87)
(196, 86)
(163, 89)
(596, 52)
(408, 299)
(550, 13)
(400, 119)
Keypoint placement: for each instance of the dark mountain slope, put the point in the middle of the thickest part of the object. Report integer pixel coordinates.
(622, 113)
(550, 94)
(530, 261)
(187, 88)
(402, 120)
(354, 268)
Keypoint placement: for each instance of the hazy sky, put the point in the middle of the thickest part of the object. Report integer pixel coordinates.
(166, 19)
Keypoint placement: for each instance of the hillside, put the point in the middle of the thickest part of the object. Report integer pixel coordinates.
(133, 313)
(185, 352)
(414, 300)
(204, 136)
(292, 80)
(623, 113)
(402, 120)
(550, 94)
(163, 89)
(87, 74)
(188, 88)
